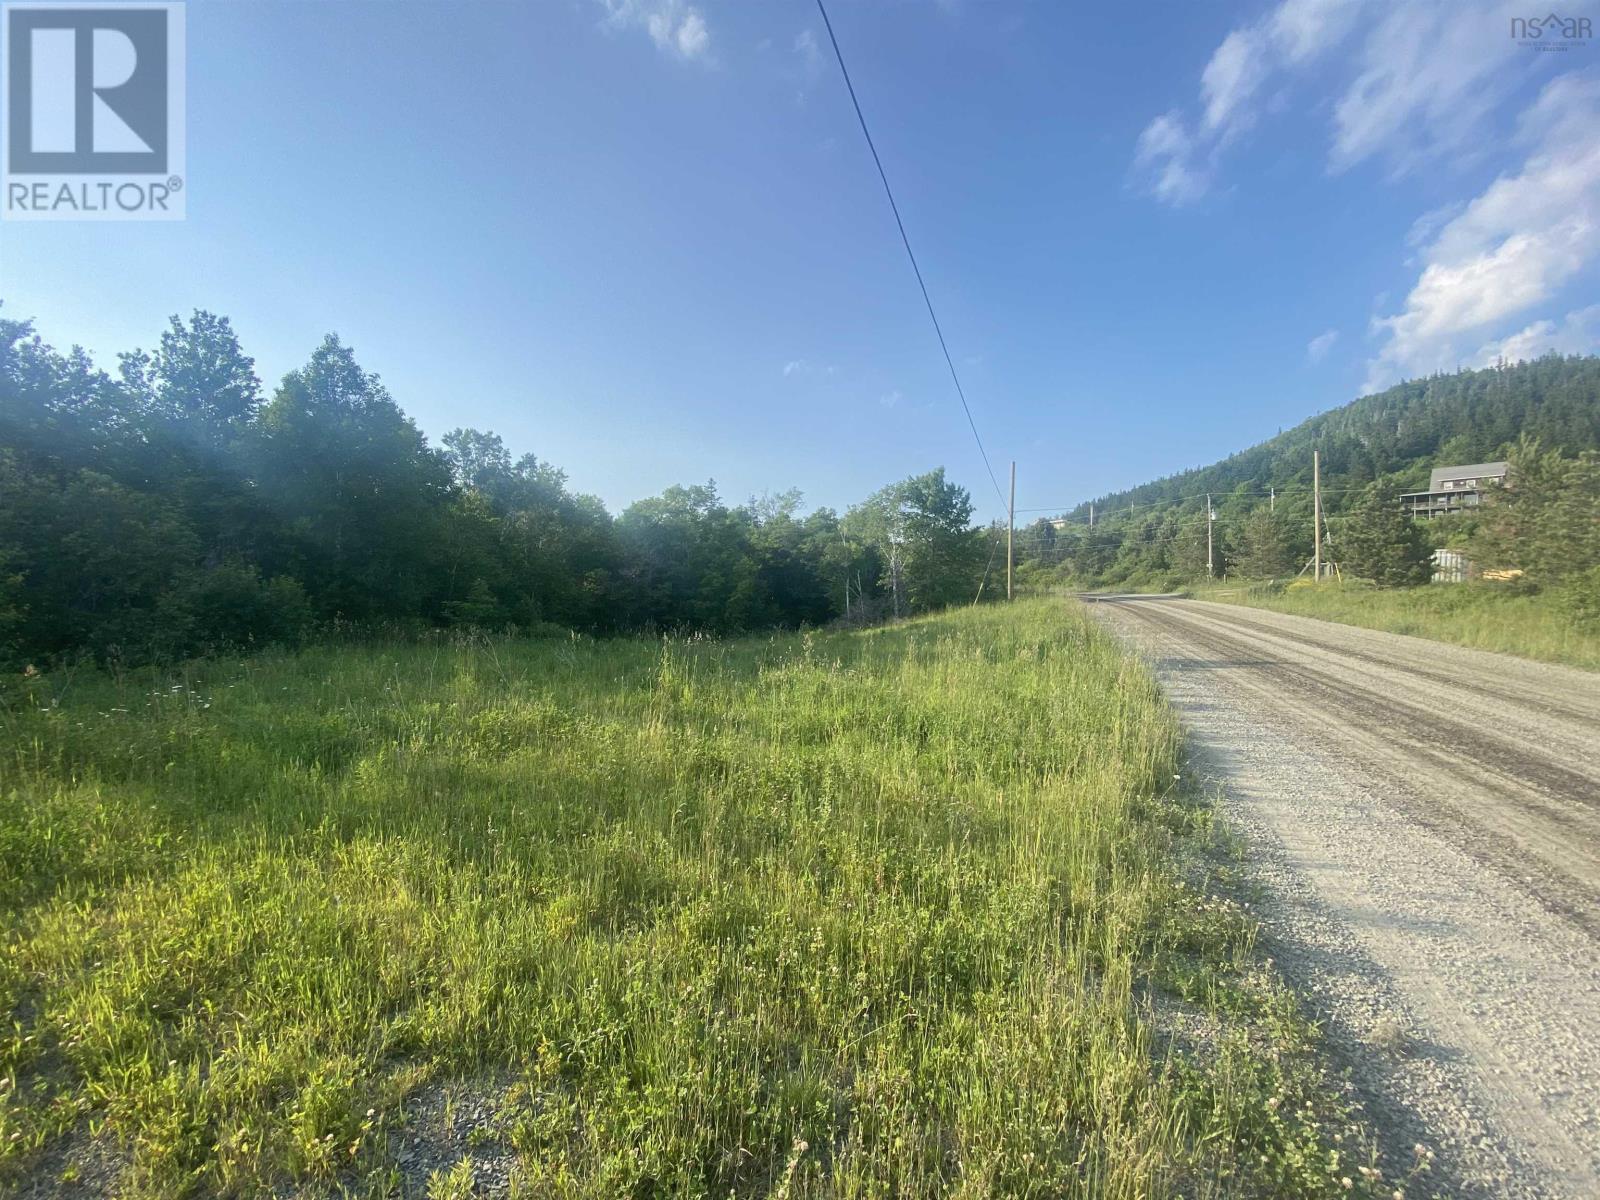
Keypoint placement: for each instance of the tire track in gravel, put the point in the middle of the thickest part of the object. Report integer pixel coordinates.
(1510, 804)
(1426, 820)
(1523, 680)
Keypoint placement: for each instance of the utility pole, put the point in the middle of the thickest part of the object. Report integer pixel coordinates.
(1011, 525)
(1272, 504)
(1316, 514)
(1210, 517)
(1091, 514)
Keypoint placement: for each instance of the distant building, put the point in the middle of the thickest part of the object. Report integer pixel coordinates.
(1454, 489)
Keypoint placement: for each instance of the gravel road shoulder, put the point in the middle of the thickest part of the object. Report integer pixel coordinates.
(1435, 906)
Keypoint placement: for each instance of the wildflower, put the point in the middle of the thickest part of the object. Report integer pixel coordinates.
(1345, 1183)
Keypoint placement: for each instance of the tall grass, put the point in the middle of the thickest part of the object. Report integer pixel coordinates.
(893, 913)
(1483, 616)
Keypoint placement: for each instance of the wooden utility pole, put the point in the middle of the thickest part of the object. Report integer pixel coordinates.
(1091, 514)
(1011, 525)
(1210, 561)
(1316, 515)
(1272, 504)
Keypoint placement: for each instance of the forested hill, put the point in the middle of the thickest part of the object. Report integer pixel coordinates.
(1396, 437)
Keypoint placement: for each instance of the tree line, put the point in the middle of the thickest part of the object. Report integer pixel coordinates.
(1542, 416)
(173, 508)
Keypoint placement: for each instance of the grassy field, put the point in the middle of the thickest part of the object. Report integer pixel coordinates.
(908, 912)
(1483, 616)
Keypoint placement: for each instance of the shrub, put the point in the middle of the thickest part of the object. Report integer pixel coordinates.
(1579, 598)
(232, 607)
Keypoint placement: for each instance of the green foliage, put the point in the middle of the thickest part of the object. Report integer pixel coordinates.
(168, 511)
(230, 607)
(199, 382)
(914, 911)
(931, 557)
(1265, 547)
(1380, 542)
(1154, 535)
(1402, 433)
(1579, 597)
(1550, 626)
(1546, 521)
(360, 495)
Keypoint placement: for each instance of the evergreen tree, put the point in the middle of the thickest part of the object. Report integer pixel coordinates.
(1545, 521)
(360, 491)
(1381, 543)
(1265, 548)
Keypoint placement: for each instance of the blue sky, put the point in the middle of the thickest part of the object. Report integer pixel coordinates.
(644, 240)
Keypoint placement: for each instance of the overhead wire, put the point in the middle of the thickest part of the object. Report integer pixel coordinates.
(911, 254)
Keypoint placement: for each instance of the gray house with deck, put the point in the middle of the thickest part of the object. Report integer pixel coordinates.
(1454, 489)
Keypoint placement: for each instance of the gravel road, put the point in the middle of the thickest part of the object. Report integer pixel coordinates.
(1426, 822)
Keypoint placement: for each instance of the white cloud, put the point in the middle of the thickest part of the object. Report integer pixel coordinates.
(1179, 165)
(1317, 348)
(804, 366)
(1427, 226)
(1233, 75)
(1428, 74)
(805, 45)
(1422, 82)
(677, 28)
(890, 399)
(691, 36)
(1167, 151)
(1423, 77)
(1301, 29)
(1578, 333)
(1511, 247)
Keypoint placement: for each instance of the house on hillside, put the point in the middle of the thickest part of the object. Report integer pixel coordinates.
(1454, 489)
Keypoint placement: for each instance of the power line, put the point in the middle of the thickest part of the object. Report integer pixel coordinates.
(906, 241)
(1107, 512)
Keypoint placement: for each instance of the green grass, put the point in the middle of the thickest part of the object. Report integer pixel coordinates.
(907, 912)
(1482, 616)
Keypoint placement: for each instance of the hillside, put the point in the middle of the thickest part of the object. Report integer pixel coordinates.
(1389, 440)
